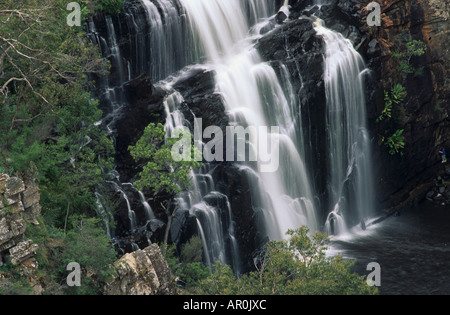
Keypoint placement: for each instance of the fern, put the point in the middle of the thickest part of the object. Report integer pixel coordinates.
(396, 96)
(396, 142)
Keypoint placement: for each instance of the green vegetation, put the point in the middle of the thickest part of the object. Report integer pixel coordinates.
(47, 115)
(396, 97)
(16, 284)
(88, 245)
(393, 102)
(289, 267)
(395, 143)
(393, 113)
(407, 49)
(48, 131)
(109, 6)
(161, 173)
(188, 268)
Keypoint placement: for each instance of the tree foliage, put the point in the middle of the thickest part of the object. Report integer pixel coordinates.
(88, 245)
(48, 123)
(408, 48)
(294, 266)
(47, 119)
(188, 267)
(161, 173)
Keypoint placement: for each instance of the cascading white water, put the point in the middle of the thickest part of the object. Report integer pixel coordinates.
(157, 46)
(202, 200)
(147, 207)
(223, 33)
(253, 96)
(350, 179)
(168, 42)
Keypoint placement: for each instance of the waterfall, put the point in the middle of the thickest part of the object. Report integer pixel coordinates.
(253, 96)
(349, 149)
(162, 37)
(210, 208)
(168, 40)
(147, 207)
(147, 37)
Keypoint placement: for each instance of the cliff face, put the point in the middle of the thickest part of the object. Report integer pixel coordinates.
(424, 115)
(402, 180)
(19, 206)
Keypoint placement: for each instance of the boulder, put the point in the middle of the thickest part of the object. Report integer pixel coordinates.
(281, 17)
(143, 272)
(14, 186)
(11, 227)
(22, 251)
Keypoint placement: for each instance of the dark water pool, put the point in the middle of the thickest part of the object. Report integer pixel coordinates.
(413, 251)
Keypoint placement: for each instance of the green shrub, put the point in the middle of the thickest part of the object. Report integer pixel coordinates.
(109, 6)
(406, 50)
(396, 97)
(161, 173)
(295, 266)
(396, 142)
(188, 267)
(87, 244)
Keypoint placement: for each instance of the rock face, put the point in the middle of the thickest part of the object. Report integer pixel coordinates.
(19, 206)
(143, 272)
(291, 46)
(424, 116)
(440, 192)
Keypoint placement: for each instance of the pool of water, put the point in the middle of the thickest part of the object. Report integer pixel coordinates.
(412, 249)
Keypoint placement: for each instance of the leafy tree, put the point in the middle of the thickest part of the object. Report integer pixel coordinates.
(295, 266)
(88, 245)
(404, 54)
(47, 119)
(161, 173)
(188, 267)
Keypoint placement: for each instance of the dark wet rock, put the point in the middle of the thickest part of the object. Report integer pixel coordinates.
(281, 17)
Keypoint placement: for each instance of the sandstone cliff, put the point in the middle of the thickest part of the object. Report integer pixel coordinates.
(143, 272)
(404, 180)
(19, 206)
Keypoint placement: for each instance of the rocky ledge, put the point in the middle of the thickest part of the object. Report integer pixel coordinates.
(440, 193)
(19, 206)
(143, 272)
